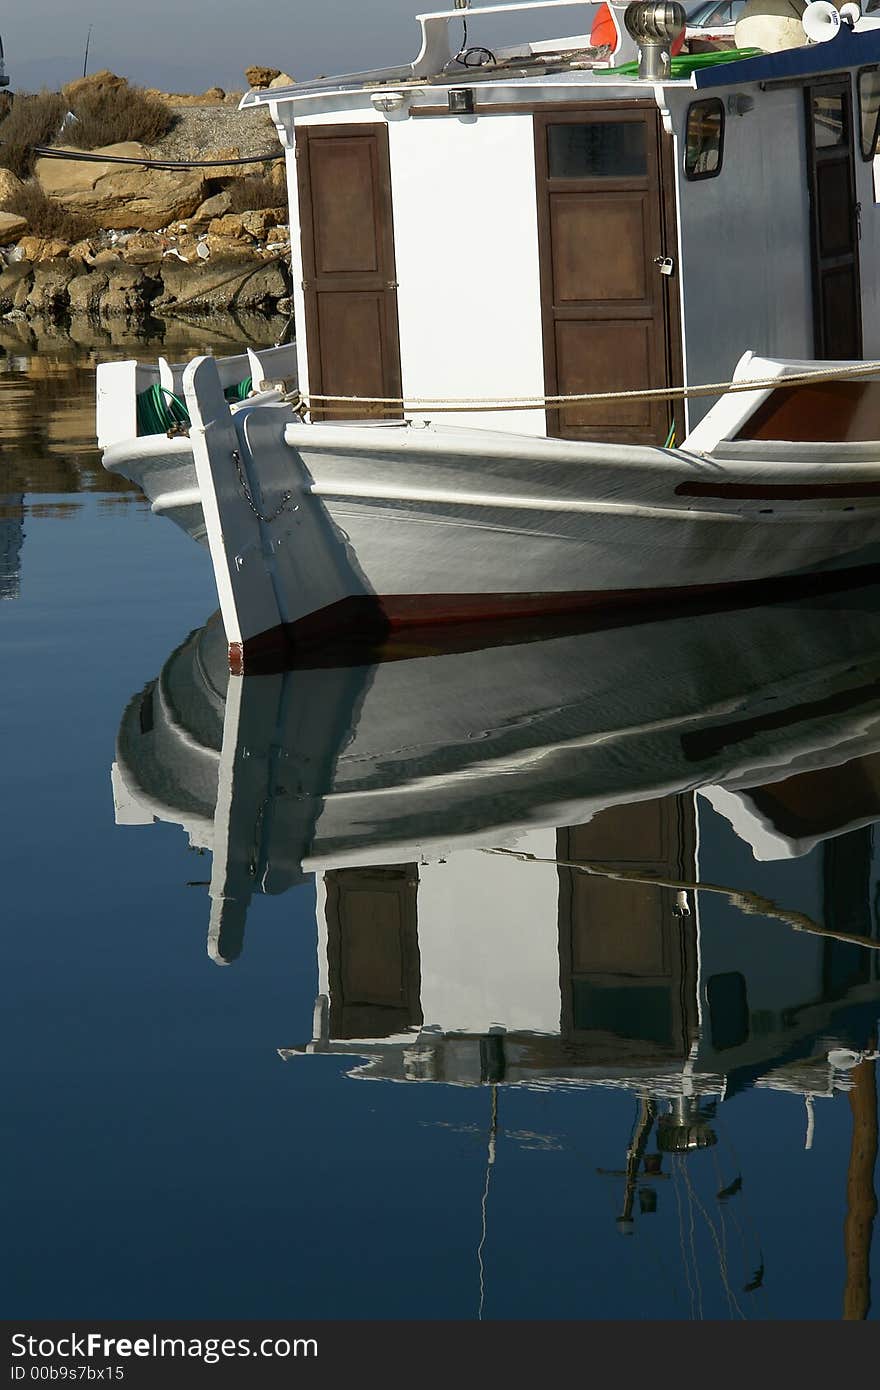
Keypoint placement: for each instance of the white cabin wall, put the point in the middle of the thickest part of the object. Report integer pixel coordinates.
(466, 236)
(489, 940)
(868, 194)
(745, 240)
(488, 933)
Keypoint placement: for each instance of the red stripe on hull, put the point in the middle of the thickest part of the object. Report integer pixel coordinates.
(368, 628)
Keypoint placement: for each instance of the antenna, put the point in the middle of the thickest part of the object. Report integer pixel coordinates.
(86, 54)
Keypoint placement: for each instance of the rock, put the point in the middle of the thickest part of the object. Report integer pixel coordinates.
(214, 96)
(261, 77)
(228, 171)
(85, 291)
(107, 258)
(258, 222)
(103, 81)
(130, 291)
(85, 251)
(231, 227)
(223, 282)
(186, 249)
(119, 196)
(212, 207)
(39, 248)
(49, 291)
(10, 186)
(12, 226)
(15, 284)
(282, 80)
(144, 248)
(278, 179)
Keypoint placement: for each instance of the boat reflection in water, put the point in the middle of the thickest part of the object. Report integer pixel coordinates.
(600, 941)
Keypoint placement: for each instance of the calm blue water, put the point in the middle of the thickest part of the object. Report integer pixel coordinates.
(534, 1093)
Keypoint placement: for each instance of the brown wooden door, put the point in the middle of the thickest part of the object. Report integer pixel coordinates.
(349, 280)
(606, 306)
(373, 951)
(627, 958)
(834, 217)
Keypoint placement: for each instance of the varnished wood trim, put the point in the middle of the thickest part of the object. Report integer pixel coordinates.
(528, 108)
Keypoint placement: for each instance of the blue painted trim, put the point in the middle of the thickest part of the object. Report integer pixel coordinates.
(846, 50)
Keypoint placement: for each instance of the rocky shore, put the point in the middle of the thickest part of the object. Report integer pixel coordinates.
(159, 241)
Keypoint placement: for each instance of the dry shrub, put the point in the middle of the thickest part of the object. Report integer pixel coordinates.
(47, 218)
(33, 120)
(253, 192)
(110, 115)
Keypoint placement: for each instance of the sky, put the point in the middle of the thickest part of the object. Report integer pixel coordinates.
(45, 40)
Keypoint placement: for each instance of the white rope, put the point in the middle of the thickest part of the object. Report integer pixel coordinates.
(662, 393)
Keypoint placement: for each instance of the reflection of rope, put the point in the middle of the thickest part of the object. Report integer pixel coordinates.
(747, 902)
(493, 1129)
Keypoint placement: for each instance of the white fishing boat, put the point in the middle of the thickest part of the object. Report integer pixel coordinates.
(521, 273)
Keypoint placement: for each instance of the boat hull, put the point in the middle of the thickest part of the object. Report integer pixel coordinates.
(320, 530)
(396, 525)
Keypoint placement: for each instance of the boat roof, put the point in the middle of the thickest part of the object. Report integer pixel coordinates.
(571, 61)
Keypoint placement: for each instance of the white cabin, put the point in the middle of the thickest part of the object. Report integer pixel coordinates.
(544, 224)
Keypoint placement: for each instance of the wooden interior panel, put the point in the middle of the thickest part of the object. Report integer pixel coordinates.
(344, 213)
(372, 948)
(814, 803)
(611, 267)
(623, 833)
(841, 311)
(604, 356)
(837, 411)
(617, 927)
(835, 208)
(351, 332)
(373, 951)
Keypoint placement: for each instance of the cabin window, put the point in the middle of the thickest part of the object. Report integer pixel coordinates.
(829, 119)
(869, 109)
(600, 150)
(704, 139)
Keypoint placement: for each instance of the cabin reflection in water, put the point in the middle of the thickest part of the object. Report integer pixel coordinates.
(11, 542)
(485, 969)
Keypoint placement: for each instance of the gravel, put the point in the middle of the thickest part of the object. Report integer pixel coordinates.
(201, 132)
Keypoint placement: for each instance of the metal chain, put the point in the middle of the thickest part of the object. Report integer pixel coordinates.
(249, 499)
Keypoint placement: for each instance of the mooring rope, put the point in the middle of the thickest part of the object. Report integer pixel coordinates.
(336, 404)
